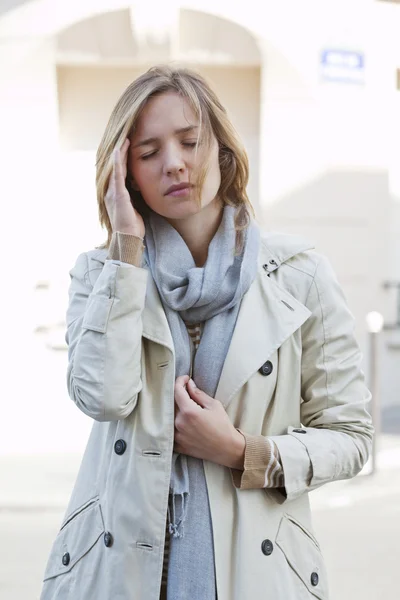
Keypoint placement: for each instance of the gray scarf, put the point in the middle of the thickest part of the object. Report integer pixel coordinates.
(210, 294)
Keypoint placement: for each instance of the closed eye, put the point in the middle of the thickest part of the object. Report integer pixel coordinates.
(146, 156)
(150, 154)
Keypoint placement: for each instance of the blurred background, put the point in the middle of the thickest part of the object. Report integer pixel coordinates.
(313, 88)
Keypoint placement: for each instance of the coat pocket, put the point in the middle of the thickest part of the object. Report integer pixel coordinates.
(77, 536)
(303, 555)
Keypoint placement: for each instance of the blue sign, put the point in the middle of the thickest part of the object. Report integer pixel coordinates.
(344, 66)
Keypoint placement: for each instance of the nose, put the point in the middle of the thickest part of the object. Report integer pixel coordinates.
(173, 162)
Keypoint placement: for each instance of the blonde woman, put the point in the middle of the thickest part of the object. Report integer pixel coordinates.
(219, 366)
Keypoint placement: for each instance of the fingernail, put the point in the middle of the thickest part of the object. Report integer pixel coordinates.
(192, 383)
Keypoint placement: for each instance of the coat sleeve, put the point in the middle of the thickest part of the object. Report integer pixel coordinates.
(104, 337)
(336, 439)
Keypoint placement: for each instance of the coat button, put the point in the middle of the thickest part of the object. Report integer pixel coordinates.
(267, 368)
(65, 559)
(299, 431)
(314, 579)
(120, 447)
(267, 547)
(108, 539)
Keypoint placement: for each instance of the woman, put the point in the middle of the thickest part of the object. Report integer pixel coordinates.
(218, 363)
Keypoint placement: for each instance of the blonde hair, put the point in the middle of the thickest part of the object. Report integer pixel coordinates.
(213, 119)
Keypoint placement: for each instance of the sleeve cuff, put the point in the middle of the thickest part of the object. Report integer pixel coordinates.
(126, 248)
(296, 463)
(262, 465)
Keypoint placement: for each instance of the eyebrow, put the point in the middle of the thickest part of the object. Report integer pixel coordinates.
(151, 140)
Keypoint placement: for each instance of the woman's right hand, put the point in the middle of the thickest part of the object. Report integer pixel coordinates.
(123, 216)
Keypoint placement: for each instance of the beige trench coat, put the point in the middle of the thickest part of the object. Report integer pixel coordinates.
(121, 373)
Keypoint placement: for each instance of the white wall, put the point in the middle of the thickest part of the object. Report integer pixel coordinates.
(326, 147)
(32, 227)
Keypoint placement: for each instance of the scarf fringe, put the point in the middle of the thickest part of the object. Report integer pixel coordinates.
(176, 526)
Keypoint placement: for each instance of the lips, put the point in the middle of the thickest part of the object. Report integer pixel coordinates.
(176, 188)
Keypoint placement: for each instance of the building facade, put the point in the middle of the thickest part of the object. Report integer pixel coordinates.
(311, 88)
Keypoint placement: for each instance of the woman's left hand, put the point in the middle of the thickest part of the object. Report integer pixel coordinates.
(203, 429)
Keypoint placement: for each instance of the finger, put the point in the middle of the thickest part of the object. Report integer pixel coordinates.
(182, 380)
(198, 396)
(125, 145)
(124, 157)
(182, 398)
(118, 173)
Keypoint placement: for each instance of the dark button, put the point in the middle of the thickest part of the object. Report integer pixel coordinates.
(120, 447)
(267, 547)
(270, 265)
(65, 559)
(108, 539)
(299, 431)
(314, 579)
(267, 368)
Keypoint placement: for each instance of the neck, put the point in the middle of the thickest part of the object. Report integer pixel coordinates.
(198, 230)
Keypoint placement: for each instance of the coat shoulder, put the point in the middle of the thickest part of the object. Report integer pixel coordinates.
(294, 251)
(91, 259)
(97, 254)
(88, 266)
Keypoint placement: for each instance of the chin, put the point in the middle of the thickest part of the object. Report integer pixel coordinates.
(178, 210)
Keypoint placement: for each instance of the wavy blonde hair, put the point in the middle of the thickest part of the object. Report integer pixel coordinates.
(213, 120)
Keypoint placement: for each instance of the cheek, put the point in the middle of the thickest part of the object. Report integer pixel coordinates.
(142, 174)
(136, 169)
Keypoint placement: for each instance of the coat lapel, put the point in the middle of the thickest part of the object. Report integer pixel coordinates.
(267, 317)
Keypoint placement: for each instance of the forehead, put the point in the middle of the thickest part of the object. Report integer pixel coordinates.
(164, 112)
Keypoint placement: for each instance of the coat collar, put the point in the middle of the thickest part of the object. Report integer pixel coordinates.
(268, 315)
(277, 248)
